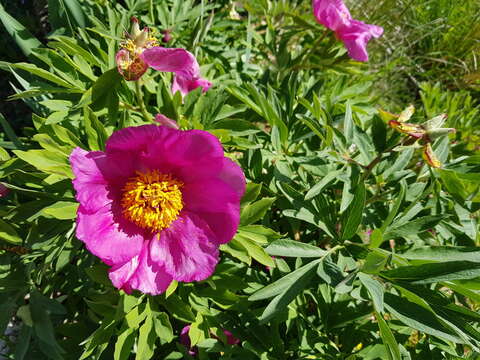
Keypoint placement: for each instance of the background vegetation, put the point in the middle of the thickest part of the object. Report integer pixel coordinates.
(375, 255)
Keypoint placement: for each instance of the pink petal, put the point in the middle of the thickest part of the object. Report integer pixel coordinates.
(187, 84)
(89, 183)
(179, 61)
(136, 139)
(233, 175)
(217, 203)
(165, 121)
(333, 14)
(141, 273)
(179, 150)
(108, 235)
(187, 248)
(356, 37)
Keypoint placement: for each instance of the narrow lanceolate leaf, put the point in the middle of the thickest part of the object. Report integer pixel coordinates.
(255, 211)
(353, 216)
(396, 206)
(418, 318)
(413, 227)
(435, 272)
(388, 338)
(281, 301)
(24, 39)
(284, 283)
(375, 290)
(317, 188)
(292, 248)
(443, 253)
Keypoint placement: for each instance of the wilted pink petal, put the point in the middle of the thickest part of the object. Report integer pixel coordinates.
(165, 121)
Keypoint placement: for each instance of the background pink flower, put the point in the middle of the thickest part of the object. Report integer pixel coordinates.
(140, 50)
(355, 34)
(156, 205)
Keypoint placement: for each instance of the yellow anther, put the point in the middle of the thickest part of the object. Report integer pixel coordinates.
(152, 200)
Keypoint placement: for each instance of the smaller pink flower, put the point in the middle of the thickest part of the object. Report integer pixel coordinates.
(231, 339)
(356, 37)
(140, 51)
(333, 14)
(185, 341)
(167, 37)
(165, 121)
(3, 191)
(355, 34)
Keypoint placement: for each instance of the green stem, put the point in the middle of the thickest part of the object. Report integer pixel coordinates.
(143, 110)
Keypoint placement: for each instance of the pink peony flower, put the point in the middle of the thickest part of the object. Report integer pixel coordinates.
(355, 34)
(156, 205)
(140, 51)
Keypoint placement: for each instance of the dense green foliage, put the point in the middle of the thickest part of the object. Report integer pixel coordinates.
(375, 254)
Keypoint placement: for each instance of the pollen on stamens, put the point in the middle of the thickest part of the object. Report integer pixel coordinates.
(152, 200)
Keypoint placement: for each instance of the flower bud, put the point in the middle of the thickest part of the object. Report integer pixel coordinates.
(3, 191)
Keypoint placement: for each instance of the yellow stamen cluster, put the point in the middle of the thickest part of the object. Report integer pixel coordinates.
(152, 200)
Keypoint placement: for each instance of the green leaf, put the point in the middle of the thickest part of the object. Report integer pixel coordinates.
(388, 338)
(124, 345)
(10, 133)
(9, 234)
(46, 161)
(42, 73)
(163, 328)
(443, 253)
(62, 210)
(24, 39)
(393, 212)
(318, 187)
(285, 282)
(460, 186)
(413, 227)
(352, 217)
(146, 340)
(375, 262)
(286, 297)
(292, 248)
(255, 211)
(435, 272)
(96, 134)
(417, 317)
(375, 289)
(376, 239)
(254, 250)
(23, 343)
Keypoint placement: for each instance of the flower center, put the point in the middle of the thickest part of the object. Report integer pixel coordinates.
(152, 200)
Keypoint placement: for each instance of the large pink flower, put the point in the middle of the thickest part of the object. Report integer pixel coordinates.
(156, 205)
(140, 51)
(355, 34)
